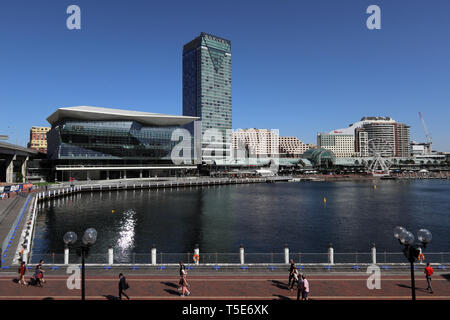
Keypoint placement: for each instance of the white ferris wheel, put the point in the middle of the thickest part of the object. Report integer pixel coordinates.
(380, 150)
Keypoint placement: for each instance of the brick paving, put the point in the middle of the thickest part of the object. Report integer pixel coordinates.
(229, 287)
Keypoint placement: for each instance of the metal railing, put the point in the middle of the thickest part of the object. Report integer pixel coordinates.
(354, 258)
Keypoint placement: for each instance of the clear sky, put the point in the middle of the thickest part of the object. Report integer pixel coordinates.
(300, 66)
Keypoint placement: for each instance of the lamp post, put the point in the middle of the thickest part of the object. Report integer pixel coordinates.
(89, 238)
(411, 250)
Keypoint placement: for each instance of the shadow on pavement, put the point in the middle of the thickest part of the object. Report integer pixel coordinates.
(409, 287)
(446, 276)
(111, 297)
(48, 298)
(280, 297)
(173, 292)
(279, 284)
(170, 284)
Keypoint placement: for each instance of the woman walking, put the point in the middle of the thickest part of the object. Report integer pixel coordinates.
(185, 284)
(22, 271)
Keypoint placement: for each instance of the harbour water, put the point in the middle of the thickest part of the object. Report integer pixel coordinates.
(261, 217)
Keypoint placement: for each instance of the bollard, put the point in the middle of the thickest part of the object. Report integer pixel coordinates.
(374, 254)
(66, 255)
(286, 254)
(110, 255)
(153, 255)
(241, 254)
(197, 252)
(331, 254)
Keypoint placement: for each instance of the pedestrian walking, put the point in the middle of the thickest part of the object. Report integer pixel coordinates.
(428, 273)
(182, 272)
(41, 263)
(185, 284)
(305, 290)
(22, 271)
(299, 287)
(123, 285)
(295, 274)
(291, 272)
(38, 277)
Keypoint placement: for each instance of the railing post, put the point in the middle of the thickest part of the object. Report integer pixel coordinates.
(110, 255)
(330, 254)
(374, 254)
(241, 254)
(197, 252)
(286, 254)
(66, 255)
(153, 255)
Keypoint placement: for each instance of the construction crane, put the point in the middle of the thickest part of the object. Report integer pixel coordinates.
(429, 140)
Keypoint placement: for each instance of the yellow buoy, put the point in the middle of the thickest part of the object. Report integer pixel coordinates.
(324, 200)
(375, 186)
(112, 211)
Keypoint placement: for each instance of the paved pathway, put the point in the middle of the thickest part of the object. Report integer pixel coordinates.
(229, 287)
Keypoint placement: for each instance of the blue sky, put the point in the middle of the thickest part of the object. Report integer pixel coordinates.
(298, 66)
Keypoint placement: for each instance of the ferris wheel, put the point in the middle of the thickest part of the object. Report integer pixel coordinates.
(379, 149)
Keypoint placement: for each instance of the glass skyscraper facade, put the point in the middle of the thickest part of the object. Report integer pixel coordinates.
(108, 140)
(207, 91)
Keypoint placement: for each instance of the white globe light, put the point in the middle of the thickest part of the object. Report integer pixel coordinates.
(407, 238)
(70, 238)
(90, 236)
(398, 231)
(424, 235)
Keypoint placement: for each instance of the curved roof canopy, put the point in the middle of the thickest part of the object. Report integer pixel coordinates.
(86, 113)
(318, 155)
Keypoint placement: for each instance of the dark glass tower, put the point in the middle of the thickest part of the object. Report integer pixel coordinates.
(207, 91)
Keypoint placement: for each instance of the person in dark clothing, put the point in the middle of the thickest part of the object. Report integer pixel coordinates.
(123, 285)
(182, 272)
(291, 274)
(299, 286)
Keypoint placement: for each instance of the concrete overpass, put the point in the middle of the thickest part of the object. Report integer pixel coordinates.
(13, 160)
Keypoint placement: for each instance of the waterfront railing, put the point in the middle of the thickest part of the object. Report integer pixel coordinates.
(302, 258)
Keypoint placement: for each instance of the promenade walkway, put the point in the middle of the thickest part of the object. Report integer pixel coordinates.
(228, 287)
(10, 209)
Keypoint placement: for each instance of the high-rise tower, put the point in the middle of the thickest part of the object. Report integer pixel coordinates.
(207, 92)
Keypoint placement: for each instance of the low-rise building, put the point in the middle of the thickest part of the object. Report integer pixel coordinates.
(38, 139)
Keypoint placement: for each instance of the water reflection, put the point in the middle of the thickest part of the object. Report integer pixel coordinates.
(125, 241)
(262, 217)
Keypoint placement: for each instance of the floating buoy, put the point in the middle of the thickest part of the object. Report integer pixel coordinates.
(324, 200)
(112, 211)
(375, 186)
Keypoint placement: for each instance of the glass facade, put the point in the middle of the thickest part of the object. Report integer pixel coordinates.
(207, 84)
(108, 140)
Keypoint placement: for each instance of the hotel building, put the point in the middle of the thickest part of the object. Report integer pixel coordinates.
(207, 92)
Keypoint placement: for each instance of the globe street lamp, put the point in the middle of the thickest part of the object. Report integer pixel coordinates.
(410, 250)
(89, 238)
